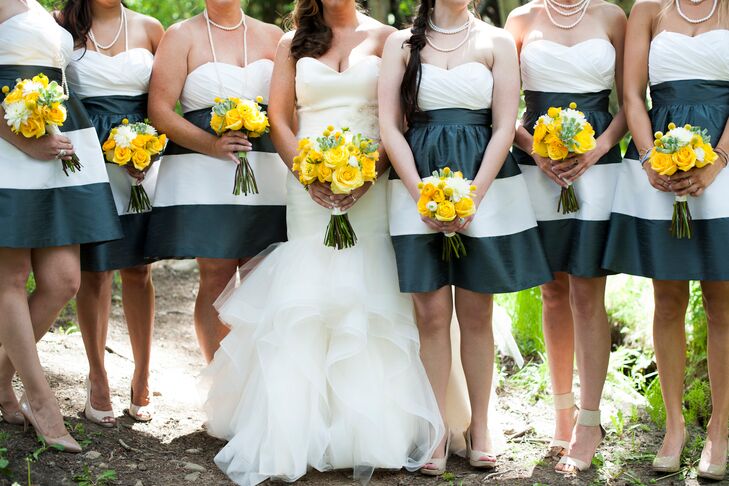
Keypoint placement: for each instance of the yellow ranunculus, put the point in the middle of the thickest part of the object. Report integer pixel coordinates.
(217, 123)
(346, 179)
(540, 131)
(307, 173)
(369, 169)
(33, 127)
(324, 173)
(423, 206)
(540, 149)
(14, 96)
(428, 190)
(140, 141)
(662, 163)
(56, 116)
(465, 207)
(685, 158)
(446, 211)
(336, 157)
(122, 155)
(438, 195)
(233, 120)
(141, 159)
(709, 156)
(315, 156)
(256, 123)
(557, 151)
(585, 142)
(108, 145)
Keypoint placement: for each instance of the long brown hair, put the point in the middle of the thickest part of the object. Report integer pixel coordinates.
(410, 87)
(76, 17)
(313, 36)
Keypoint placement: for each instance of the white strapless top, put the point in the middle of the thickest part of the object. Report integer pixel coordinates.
(469, 86)
(33, 38)
(327, 97)
(94, 74)
(552, 67)
(674, 56)
(202, 85)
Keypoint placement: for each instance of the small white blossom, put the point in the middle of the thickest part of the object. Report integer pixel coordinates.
(16, 114)
(124, 136)
(700, 154)
(353, 161)
(432, 206)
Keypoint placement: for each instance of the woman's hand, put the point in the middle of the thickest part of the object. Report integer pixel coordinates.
(695, 181)
(229, 144)
(583, 162)
(355, 196)
(324, 197)
(48, 147)
(553, 170)
(660, 182)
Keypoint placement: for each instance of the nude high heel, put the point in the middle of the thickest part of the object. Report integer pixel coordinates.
(11, 418)
(140, 413)
(437, 466)
(706, 470)
(670, 464)
(65, 442)
(587, 418)
(558, 448)
(104, 418)
(479, 459)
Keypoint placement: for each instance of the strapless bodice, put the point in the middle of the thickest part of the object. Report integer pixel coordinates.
(202, 85)
(33, 38)
(674, 56)
(342, 99)
(126, 74)
(587, 67)
(469, 86)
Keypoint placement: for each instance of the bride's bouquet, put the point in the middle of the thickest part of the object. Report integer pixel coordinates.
(558, 134)
(346, 162)
(236, 114)
(34, 107)
(135, 145)
(444, 196)
(682, 148)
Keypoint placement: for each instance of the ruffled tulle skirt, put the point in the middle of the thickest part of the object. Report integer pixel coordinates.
(321, 367)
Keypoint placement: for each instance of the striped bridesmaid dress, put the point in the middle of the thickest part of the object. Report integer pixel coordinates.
(195, 212)
(113, 88)
(453, 130)
(39, 205)
(575, 242)
(689, 83)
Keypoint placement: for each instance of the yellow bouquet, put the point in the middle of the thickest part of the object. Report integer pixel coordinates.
(345, 162)
(559, 134)
(236, 114)
(34, 107)
(135, 145)
(444, 196)
(682, 148)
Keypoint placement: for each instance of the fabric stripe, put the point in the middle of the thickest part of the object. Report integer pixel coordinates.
(502, 199)
(492, 265)
(201, 119)
(126, 252)
(575, 246)
(214, 231)
(690, 92)
(57, 217)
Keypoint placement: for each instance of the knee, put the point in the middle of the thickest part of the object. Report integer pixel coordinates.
(556, 295)
(432, 319)
(215, 276)
(62, 285)
(716, 303)
(140, 276)
(16, 276)
(670, 305)
(585, 302)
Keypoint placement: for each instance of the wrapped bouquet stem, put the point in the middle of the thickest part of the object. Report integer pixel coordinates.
(557, 135)
(345, 162)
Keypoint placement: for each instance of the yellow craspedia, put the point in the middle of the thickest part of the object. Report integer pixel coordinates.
(326, 133)
(573, 105)
(420, 185)
(6, 90)
(658, 143)
(446, 211)
(687, 127)
(671, 126)
(217, 100)
(125, 121)
(473, 188)
(446, 170)
(658, 135)
(554, 112)
(259, 99)
(330, 128)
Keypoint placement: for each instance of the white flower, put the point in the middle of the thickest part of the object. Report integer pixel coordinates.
(124, 136)
(700, 154)
(570, 114)
(460, 187)
(353, 161)
(31, 87)
(149, 130)
(432, 206)
(546, 119)
(684, 136)
(431, 180)
(16, 114)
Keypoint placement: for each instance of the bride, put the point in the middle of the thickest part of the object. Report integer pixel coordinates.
(321, 367)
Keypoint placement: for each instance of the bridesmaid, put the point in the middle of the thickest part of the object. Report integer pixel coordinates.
(679, 50)
(442, 86)
(50, 215)
(568, 59)
(219, 53)
(110, 72)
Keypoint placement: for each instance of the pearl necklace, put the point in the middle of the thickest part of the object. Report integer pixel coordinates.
(443, 31)
(696, 21)
(460, 44)
(582, 10)
(223, 27)
(569, 8)
(122, 23)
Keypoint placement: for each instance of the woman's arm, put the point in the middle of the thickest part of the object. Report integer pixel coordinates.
(46, 147)
(282, 104)
(168, 80)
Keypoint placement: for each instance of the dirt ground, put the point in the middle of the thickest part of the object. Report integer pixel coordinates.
(174, 450)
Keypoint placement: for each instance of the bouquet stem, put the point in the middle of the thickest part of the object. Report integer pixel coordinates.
(568, 200)
(71, 165)
(453, 246)
(681, 224)
(139, 200)
(245, 179)
(340, 233)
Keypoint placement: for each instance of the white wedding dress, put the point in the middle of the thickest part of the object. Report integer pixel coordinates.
(321, 367)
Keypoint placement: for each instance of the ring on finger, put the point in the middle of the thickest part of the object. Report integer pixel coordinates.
(61, 153)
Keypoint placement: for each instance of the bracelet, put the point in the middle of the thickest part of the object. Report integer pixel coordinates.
(644, 158)
(723, 155)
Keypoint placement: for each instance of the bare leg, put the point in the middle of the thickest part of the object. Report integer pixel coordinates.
(716, 301)
(93, 306)
(669, 340)
(559, 339)
(214, 276)
(138, 300)
(475, 311)
(18, 337)
(433, 313)
(592, 344)
(56, 273)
